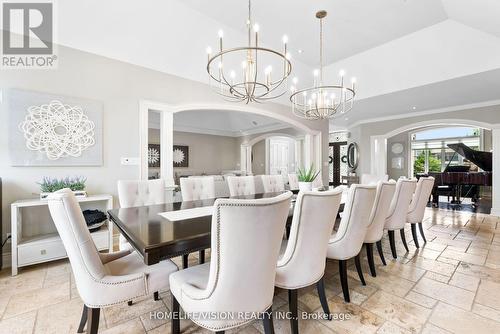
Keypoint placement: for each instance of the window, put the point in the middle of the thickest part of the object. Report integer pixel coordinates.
(430, 151)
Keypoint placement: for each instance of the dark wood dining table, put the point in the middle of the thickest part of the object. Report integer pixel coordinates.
(156, 237)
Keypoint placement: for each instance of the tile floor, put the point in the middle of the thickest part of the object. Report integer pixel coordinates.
(450, 285)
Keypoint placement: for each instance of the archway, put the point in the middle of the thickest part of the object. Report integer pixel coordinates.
(312, 137)
(378, 149)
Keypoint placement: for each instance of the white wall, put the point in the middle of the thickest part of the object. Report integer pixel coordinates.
(120, 86)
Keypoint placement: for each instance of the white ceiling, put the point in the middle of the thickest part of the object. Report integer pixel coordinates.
(217, 122)
(401, 51)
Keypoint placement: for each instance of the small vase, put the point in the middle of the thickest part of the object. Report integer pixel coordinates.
(305, 186)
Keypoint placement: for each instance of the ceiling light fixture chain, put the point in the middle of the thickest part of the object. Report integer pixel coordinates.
(255, 82)
(322, 101)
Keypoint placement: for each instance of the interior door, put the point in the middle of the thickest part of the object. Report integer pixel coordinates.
(337, 162)
(278, 157)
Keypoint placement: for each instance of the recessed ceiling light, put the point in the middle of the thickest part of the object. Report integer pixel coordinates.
(414, 107)
(300, 50)
(347, 118)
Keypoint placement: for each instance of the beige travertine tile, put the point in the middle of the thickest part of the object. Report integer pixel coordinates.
(122, 312)
(389, 283)
(60, 318)
(391, 328)
(481, 272)
(360, 320)
(464, 281)
(35, 299)
(420, 299)
(488, 294)
(437, 277)
(26, 280)
(486, 312)
(401, 312)
(444, 292)
(464, 257)
(22, 324)
(459, 321)
(432, 329)
(356, 297)
(156, 318)
(410, 273)
(130, 327)
(434, 266)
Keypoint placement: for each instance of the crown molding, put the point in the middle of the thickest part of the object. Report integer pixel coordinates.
(225, 133)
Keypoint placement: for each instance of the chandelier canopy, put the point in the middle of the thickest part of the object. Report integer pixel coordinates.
(322, 101)
(249, 73)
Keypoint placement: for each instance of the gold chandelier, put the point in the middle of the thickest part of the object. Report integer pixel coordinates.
(250, 73)
(322, 101)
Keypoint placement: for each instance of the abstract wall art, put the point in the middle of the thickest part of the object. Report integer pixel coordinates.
(154, 155)
(50, 130)
(181, 156)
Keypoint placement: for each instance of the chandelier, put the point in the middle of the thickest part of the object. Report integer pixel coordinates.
(250, 73)
(322, 101)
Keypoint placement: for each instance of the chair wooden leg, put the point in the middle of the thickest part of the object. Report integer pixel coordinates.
(421, 228)
(371, 261)
(220, 332)
(175, 321)
(380, 252)
(156, 296)
(414, 234)
(359, 270)
(288, 228)
(403, 238)
(268, 321)
(129, 303)
(294, 311)
(343, 279)
(320, 286)
(201, 256)
(93, 320)
(392, 241)
(185, 261)
(83, 320)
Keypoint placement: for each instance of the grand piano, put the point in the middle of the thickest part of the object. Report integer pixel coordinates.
(459, 181)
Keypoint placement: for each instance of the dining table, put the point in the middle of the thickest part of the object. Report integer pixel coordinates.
(168, 230)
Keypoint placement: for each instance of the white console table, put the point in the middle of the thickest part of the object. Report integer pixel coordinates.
(42, 243)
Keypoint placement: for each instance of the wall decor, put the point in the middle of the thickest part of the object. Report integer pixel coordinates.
(397, 148)
(50, 130)
(154, 155)
(397, 163)
(181, 156)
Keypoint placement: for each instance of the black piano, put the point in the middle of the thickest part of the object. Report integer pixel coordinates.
(459, 181)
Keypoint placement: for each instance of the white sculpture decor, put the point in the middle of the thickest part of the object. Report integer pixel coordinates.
(57, 130)
(178, 156)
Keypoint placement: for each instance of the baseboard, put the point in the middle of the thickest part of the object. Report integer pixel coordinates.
(495, 212)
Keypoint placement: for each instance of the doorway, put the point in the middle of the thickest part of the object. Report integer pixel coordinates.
(337, 162)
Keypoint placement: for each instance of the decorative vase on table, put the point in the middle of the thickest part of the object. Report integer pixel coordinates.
(305, 186)
(306, 178)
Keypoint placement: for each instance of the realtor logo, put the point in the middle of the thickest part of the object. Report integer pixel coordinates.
(28, 31)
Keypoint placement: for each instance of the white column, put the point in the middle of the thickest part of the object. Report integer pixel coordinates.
(167, 147)
(495, 205)
(378, 155)
(308, 151)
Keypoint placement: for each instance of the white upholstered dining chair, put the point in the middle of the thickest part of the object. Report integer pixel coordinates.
(380, 211)
(133, 193)
(417, 207)
(293, 181)
(398, 211)
(272, 183)
(241, 185)
(303, 262)
(102, 279)
(197, 188)
(347, 242)
(245, 238)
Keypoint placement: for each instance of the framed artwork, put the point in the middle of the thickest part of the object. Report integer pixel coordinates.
(181, 156)
(53, 130)
(154, 155)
